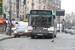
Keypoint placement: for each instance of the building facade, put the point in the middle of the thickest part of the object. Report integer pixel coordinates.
(44, 5)
(13, 8)
(19, 10)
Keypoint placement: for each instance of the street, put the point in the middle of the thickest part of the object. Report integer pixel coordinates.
(61, 42)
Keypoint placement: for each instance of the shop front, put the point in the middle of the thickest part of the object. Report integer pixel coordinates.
(2, 25)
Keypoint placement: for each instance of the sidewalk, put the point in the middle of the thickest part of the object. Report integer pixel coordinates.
(4, 36)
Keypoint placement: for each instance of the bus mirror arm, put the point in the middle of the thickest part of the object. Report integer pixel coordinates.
(54, 16)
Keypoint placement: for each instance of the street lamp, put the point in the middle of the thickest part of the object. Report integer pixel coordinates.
(6, 7)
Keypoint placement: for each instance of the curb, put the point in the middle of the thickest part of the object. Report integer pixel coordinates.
(6, 38)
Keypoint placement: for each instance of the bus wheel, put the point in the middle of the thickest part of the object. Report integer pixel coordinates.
(32, 37)
(27, 35)
(15, 36)
(18, 36)
(55, 36)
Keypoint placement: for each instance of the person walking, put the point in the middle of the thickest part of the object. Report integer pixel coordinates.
(7, 29)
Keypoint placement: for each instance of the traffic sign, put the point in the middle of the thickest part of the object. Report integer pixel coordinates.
(63, 23)
(60, 12)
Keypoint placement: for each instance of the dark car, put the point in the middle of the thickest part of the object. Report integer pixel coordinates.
(21, 31)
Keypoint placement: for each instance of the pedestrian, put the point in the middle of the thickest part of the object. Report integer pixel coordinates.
(7, 29)
(5, 26)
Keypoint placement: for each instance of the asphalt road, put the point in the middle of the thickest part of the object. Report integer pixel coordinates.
(61, 42)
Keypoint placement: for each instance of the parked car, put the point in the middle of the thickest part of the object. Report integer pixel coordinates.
(73, 30)
(18, 23)
(68, 30)
(21, 31)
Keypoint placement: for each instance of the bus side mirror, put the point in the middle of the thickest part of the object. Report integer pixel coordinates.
(54, 16)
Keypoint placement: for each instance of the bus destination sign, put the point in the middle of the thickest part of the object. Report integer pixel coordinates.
(41, 12)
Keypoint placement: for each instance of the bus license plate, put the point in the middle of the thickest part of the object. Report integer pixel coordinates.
(39, 34)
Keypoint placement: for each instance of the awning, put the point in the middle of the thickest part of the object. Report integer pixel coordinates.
(1, 21)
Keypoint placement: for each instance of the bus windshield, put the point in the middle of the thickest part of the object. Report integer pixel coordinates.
(41, 21)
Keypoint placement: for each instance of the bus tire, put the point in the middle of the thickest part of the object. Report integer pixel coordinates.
(27, 35)
(18, 36)
(55, 36)
(15, 36)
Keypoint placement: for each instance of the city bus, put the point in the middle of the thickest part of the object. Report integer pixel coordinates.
(42, 23)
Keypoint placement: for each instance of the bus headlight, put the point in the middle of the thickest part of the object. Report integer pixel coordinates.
(51, 29)
(30, 28)
(15, 31)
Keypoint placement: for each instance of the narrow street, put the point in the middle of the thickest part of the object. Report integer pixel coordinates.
(61, 42)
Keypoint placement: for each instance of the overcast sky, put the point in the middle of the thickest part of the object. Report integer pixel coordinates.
(68, 5)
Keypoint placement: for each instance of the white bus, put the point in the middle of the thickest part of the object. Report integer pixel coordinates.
(42, 23)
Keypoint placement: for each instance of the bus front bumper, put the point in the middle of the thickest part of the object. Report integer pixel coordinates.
(41, 33)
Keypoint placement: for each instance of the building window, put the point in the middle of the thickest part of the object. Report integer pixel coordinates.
(23, 5)
(32, 6)
(60, 7)
(20, 4)
(11, 2)
(23, 12)
(23, 17)
(53, 1)
(11, 6)
(44, 1)
(43, 7)
(17, 0)
(28, 2)
(39, 7)
(14, 3)
(57, 2)
(32, 1)
(39, 1)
